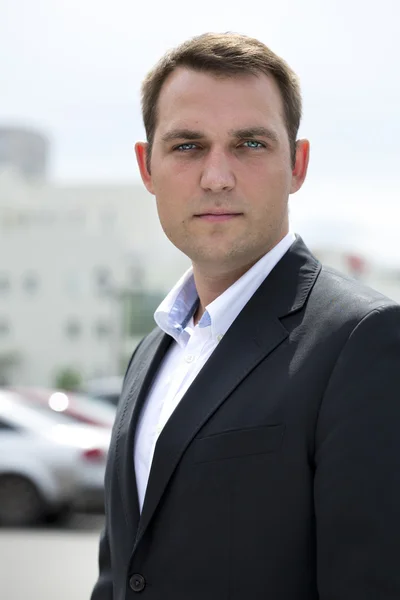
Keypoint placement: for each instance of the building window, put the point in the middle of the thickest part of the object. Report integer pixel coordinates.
(4, 328)
(103, 281)
(4, 283)
(139, 308)
(73, 329)
(103, 329)
(30, 283)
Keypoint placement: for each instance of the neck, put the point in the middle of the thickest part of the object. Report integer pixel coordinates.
(210, 286)
(213, 280)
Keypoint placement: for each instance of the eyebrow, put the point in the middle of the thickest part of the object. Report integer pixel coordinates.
(240, 134)
(254, 132)
(182, 134)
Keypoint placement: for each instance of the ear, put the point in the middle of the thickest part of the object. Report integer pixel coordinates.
(300, 168)
(141, 150)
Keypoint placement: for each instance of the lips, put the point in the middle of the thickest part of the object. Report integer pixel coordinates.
(216, 217)
(217, 211)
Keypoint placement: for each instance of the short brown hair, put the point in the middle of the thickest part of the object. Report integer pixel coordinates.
(224, 54)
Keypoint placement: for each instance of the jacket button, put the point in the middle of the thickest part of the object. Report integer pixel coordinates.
(137, 582)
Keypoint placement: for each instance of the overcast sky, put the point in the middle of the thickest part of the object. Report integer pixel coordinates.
(73, 69)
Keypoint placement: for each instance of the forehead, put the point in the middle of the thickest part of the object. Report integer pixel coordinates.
(191, 98)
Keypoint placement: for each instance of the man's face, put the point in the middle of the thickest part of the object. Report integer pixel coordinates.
(221, 169)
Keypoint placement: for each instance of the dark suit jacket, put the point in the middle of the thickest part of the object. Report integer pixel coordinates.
(278, 475)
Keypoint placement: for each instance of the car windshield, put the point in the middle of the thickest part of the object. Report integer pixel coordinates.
(58, 417)
(44, 410)
(94, 408)
(76, 407)
(25, 416)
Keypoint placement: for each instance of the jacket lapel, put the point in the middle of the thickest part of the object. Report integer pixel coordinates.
(138, 380)
(232, 360)
(255, 333)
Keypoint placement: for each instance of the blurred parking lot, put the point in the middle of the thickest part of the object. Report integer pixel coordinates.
(53, 449)
(52, 563)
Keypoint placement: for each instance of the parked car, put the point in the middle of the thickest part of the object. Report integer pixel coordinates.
(48, 465)
(37, 474)
(105, 388)
(80, 407)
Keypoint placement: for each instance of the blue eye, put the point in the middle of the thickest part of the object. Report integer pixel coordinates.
(185, 147)
(254, 144)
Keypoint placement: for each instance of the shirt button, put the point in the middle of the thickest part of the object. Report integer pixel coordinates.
(189, 358)
(219, 337)
(137, 583)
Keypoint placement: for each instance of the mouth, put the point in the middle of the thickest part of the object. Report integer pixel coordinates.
(217, 217)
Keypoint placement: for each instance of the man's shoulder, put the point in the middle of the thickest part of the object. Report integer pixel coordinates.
(342, 294)
(153, 337)
(144, 348)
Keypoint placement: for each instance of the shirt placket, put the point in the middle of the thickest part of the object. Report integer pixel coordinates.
(179, 379)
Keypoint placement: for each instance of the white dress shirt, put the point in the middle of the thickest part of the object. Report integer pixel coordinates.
(192, 348)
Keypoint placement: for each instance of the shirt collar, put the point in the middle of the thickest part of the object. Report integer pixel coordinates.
(179, 306)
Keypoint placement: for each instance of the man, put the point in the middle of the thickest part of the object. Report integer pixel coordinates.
(256, 449)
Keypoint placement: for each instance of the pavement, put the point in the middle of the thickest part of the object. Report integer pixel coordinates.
(52, 563)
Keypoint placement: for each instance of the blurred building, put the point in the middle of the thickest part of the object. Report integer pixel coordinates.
(375, 273)
(83, 267)
(79, 268)
(24, 149)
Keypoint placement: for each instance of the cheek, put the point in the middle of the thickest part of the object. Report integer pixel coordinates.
(170, 214)
(172, 179)
(274, 185)
(174, 193)
(165, 208)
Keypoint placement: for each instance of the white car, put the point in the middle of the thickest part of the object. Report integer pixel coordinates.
(81, 408)
(106, 388)
(47, 464)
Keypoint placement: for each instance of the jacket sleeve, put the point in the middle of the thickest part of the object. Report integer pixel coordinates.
(103, 589)
(357, 466)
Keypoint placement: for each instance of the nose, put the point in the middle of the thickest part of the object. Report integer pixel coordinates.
(217, 175)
